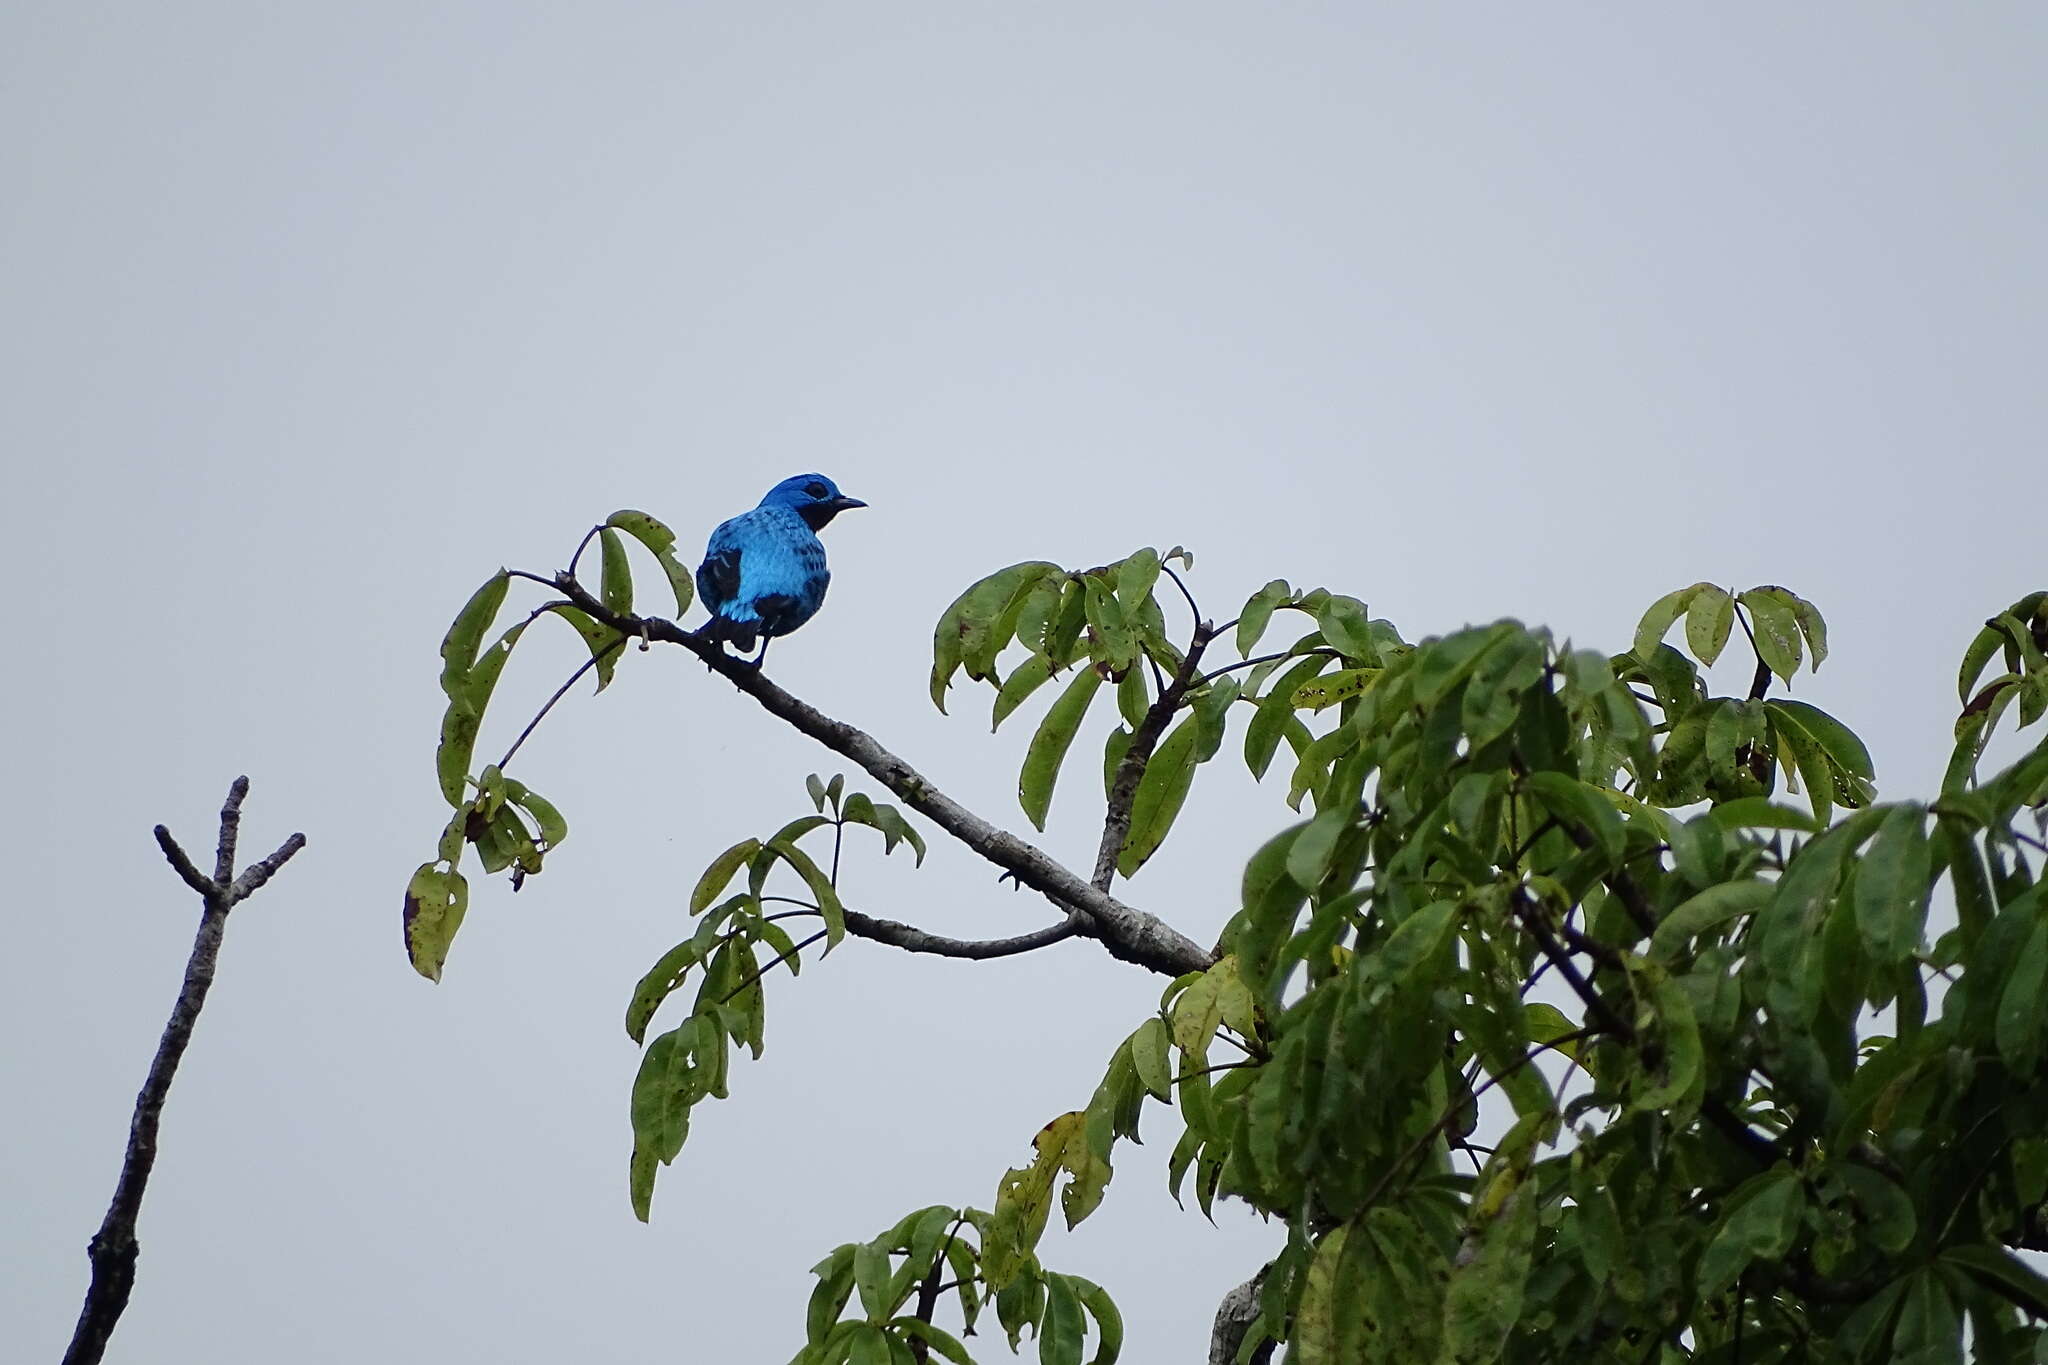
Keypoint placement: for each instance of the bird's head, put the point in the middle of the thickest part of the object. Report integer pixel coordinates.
(813, 497)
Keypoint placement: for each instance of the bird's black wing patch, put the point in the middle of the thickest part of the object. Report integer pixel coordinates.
(718, 578)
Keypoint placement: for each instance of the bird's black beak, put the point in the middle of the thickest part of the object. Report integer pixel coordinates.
(842, 503)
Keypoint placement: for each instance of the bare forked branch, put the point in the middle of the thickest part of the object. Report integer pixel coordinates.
(113, 1248)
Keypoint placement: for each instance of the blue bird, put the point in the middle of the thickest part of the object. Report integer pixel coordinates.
(764, 571)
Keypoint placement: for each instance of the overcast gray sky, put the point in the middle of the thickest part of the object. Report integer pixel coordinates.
(315, 315)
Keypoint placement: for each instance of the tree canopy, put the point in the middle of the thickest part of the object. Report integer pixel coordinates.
(1570, 1011)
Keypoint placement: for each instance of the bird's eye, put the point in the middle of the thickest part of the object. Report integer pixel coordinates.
(814, 490)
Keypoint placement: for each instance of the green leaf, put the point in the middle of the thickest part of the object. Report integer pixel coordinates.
(967, 630)
(2004, 1274)
(2022, 1002)
(1321, 693)
(1484, 1298)
(1258, 611)
(828, 1299)
(1116, 643)
(1109, 1323)
(466, 634)
(1762, 1221)
(1149, 1057)
(1760, 812)
(822, 890)
(603, 642)
(662, 980)
(935, 1337)
(1813, 628)
(1776, 627)
(867, 1344)
(1708, 620)
(616, 579)
(1887, 1209)
(1343, 623)
(1161, 793)
(1135, 577)
(660, 542)
(1415, 940)
(1275, 709)
(1059, 1332)
(1658, 619)
(1049, 746)
(1024, 679)
(1577, 807)
(465, 713)
(720, 873)
(1893, 883)
(1834, 738)
(1710, 909)
(553, 828)
(435, 900)
(871, 1277)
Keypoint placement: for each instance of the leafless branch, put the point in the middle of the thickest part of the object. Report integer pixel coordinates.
(113, 1248)
(914, 940)
(1127, 933)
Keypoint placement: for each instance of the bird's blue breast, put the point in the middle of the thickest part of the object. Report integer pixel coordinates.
(781, 578)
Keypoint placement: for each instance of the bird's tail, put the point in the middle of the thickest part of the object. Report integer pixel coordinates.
(722, 628)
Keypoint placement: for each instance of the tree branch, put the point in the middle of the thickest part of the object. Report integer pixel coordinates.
(113, 1248)
(1234, 1317)
(1130, 771)
(915, 940)
(1127, 933)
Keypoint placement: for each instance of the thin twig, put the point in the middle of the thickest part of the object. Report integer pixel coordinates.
(928, 1292)
(772, 964)
(581, 546)
(1194, 608)
(560, 692)
(1760, 683)
(113, 1248)
(1214, 674)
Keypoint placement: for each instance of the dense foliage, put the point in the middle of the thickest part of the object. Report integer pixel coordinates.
(1548, 1031)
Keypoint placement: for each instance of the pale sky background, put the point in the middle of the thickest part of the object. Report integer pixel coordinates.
(315, 315)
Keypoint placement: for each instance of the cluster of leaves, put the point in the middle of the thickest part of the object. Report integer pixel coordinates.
(906, 1268)
(1798, 1131)
(688, 1063)
(1105, 625)
(1740, 1099)
(507, 824)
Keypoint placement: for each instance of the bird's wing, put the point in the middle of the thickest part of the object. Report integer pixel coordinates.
(718, 577)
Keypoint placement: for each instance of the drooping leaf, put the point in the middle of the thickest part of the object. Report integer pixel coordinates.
(660, 542)
(604, 643)
(1708, 620)
(1161, 793)
(1258, 611)
(1024, 679)
(968, 628)
(1048, 749)
(1776, 626)
(1484, 1298)
(435, 900)
(466, 633)
(1893, 885)
(720, 873)
(1658, 619)
(615, 580)
(1762, 1220)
